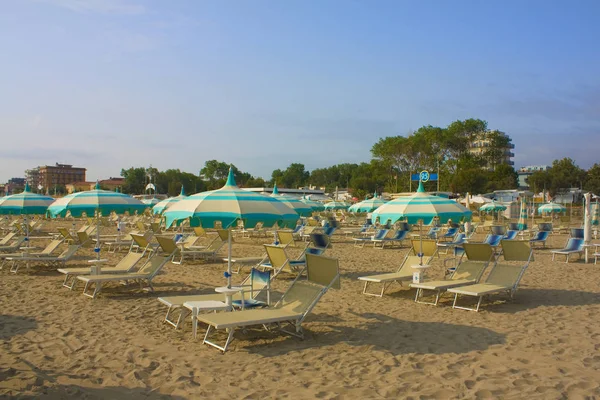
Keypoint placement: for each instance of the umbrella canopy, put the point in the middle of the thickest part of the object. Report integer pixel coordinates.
(229, 205)
(492, 207)
(551, 208)
(315, 205)
(304, 210)
(26, 203)
(165, 204)
(421, 206)
(367, 205)
(475, 200)
(97, 200)
(336, 205)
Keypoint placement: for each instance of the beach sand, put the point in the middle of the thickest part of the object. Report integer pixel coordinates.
(545, 344)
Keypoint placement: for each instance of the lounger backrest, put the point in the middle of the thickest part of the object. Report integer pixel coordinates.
(278, 258)
(541, 236)
(199, 231)
(517, 250)
(259, 280)
(140, 240)
(286, 238)
(400, 235)
(380, 234)
(478, 251)
(505, 275)
(83, 237)
(51, 247)
(577, 233)
(65, 233)
(510, 235)
(451, 232)
(300, 297)
(459, 238)
(323, 271)
(223, 234)
(411, 260)
(493, 240)
(469, 270)
(574, 244)
(153, 266)
(189, 241)
(129, 261)
(320, 240)
(167, 244)
(17, 241)
(426, 246)
(69, 252)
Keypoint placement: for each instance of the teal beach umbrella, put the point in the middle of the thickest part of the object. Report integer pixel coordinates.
(164, 205)
(304, 210)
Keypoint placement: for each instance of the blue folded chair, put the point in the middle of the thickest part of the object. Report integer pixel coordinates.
(259, 281)
(459, 240)
(510, 235)
(577, 233)
(379, 235)
(450, 233)
(540, 237)
(399, 236)
(573, 246)
(493, 240)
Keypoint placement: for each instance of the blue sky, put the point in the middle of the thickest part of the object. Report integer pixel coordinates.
(107, 84)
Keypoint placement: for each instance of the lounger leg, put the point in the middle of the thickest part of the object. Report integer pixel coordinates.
(15, 267)
(194, 322)
(420, 292)
(374, 294)
(227, 342)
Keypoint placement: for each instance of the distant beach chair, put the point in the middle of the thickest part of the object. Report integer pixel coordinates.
(540, 237)
(573, 246)
(62, 258)
(125, 265)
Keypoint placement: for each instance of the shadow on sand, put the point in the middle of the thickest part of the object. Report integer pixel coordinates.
(379, 332)
(12, 325)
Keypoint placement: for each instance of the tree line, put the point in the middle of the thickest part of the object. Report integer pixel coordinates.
(466, 155)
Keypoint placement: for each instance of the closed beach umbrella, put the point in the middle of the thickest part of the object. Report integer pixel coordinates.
(367, 205)
(229, 205)
(164, 205)
(421, 206)
(551, 208)
(595, 214)
(522, 224)
(315, 205)
(336, 205)
(304, 210)
(95, 202)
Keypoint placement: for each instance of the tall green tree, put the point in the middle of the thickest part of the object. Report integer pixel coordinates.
(135, 180)
(592, 180)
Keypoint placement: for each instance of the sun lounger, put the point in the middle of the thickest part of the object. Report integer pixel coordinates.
(13, 245)
(503, 278)
(467, 272)
(297, 302)
(540, 237)
(47, 251)
(145, 274)
(397, 237)
(278, 261)
(449, 234)
(62, 258)
(405, 272)
(459, 240)
(286, 238)
(573, 246)
(125, 265)
(380, 234)
(175, 303)
(6, 239)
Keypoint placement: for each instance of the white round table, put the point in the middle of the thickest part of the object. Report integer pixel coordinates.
(229, 292)
(419, 274)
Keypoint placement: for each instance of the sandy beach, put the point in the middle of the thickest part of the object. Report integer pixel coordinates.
(57, 343)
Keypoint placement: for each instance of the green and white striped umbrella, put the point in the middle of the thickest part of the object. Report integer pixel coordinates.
(229, 205)
(336, 205)
(304, 210)
(164, 205)
(367, 205)
(315, 205)
(25, 203)
(421, 206)
(492, 207)
(95, 201)
(551, 208)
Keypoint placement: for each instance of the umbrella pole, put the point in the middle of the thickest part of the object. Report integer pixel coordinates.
(421, 242)
(229, 258)
(97, 249)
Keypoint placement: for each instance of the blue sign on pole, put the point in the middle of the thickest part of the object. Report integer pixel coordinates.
(417, 177)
